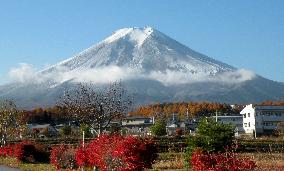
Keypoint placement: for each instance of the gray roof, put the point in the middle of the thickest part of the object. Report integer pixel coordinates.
(269, 107)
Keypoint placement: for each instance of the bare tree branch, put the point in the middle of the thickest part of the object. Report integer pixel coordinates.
(97, 109)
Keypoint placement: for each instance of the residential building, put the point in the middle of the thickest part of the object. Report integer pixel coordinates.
(137, 125)
(136, 121)
(42, 130)
(259, 120)
(235, 120)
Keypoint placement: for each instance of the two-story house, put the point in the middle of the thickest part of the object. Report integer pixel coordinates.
(262, 119)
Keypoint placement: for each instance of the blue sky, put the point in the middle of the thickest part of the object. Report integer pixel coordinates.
(242, 33)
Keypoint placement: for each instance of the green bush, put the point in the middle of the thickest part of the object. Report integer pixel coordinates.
(210, 136)
(159, 128)
(66, 130)
(86, 129)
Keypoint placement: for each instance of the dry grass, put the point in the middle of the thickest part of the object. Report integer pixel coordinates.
(267, 161)
(12, 162)
(264, 161)
(169, 162)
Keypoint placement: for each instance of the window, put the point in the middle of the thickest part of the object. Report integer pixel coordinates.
(245, 124)
(245, 115)
(249, 124)
(248, 115)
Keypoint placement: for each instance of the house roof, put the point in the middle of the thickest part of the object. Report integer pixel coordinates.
(39, 126)
(136, 117)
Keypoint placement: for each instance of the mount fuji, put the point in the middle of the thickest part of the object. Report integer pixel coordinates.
(153, 67)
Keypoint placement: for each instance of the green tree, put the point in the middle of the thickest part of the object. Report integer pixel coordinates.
(210, 136)
(86, 129)
(214, 136)
(159, 128)
(66, 130)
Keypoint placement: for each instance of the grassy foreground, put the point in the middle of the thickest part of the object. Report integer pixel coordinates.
(12, 162)
(165, 161)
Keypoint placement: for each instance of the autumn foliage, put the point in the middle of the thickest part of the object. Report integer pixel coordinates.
(63, 157)
(227, 161)
(7, 151)
(30, 152)
(194, 109)
(26, 151)
(273, 103)
(117, 153)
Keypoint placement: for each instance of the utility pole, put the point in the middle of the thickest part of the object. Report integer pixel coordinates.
(216, 116)
(187, 117)
(83, 139)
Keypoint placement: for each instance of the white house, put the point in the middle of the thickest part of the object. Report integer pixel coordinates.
(262, 119)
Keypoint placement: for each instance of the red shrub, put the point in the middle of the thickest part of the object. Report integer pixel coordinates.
(117, 153)
(55, 155)
(63, 157)
(80, 156)
(7, 151)
(31, 152)
(228, 161)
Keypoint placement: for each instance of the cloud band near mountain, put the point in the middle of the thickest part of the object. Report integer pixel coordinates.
(26, 73)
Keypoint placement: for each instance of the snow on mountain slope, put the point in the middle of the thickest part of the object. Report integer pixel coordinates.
(147, 53)
(154, 68)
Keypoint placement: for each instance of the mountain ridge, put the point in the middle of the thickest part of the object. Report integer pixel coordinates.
(153, 66)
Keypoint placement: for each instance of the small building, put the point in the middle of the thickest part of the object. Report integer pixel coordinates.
(262, 120)
(171, 128)
(42, 130)
(136, 121)
(235, 120)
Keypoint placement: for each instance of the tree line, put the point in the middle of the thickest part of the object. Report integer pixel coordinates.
(57, 114)
(194, 109)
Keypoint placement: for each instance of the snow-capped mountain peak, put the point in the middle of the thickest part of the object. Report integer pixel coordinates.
(145, 49)
(155, 67)
(135, 34)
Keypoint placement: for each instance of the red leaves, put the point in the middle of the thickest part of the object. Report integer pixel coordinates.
(26, 151)
(228, 161)
(105, 152)
(55, 155)
(63, 157)
(7, 151)
(80, 156)
(117, 153)
(31, 152)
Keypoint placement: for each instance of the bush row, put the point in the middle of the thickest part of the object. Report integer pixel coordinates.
(107, 153)
(26, 151)
(220, 161)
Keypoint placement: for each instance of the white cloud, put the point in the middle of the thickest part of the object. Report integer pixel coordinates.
(230, 77)
(24, 73)
(27, 73)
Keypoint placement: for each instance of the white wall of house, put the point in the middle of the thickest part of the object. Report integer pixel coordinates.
(248, 119)
(262, 119)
